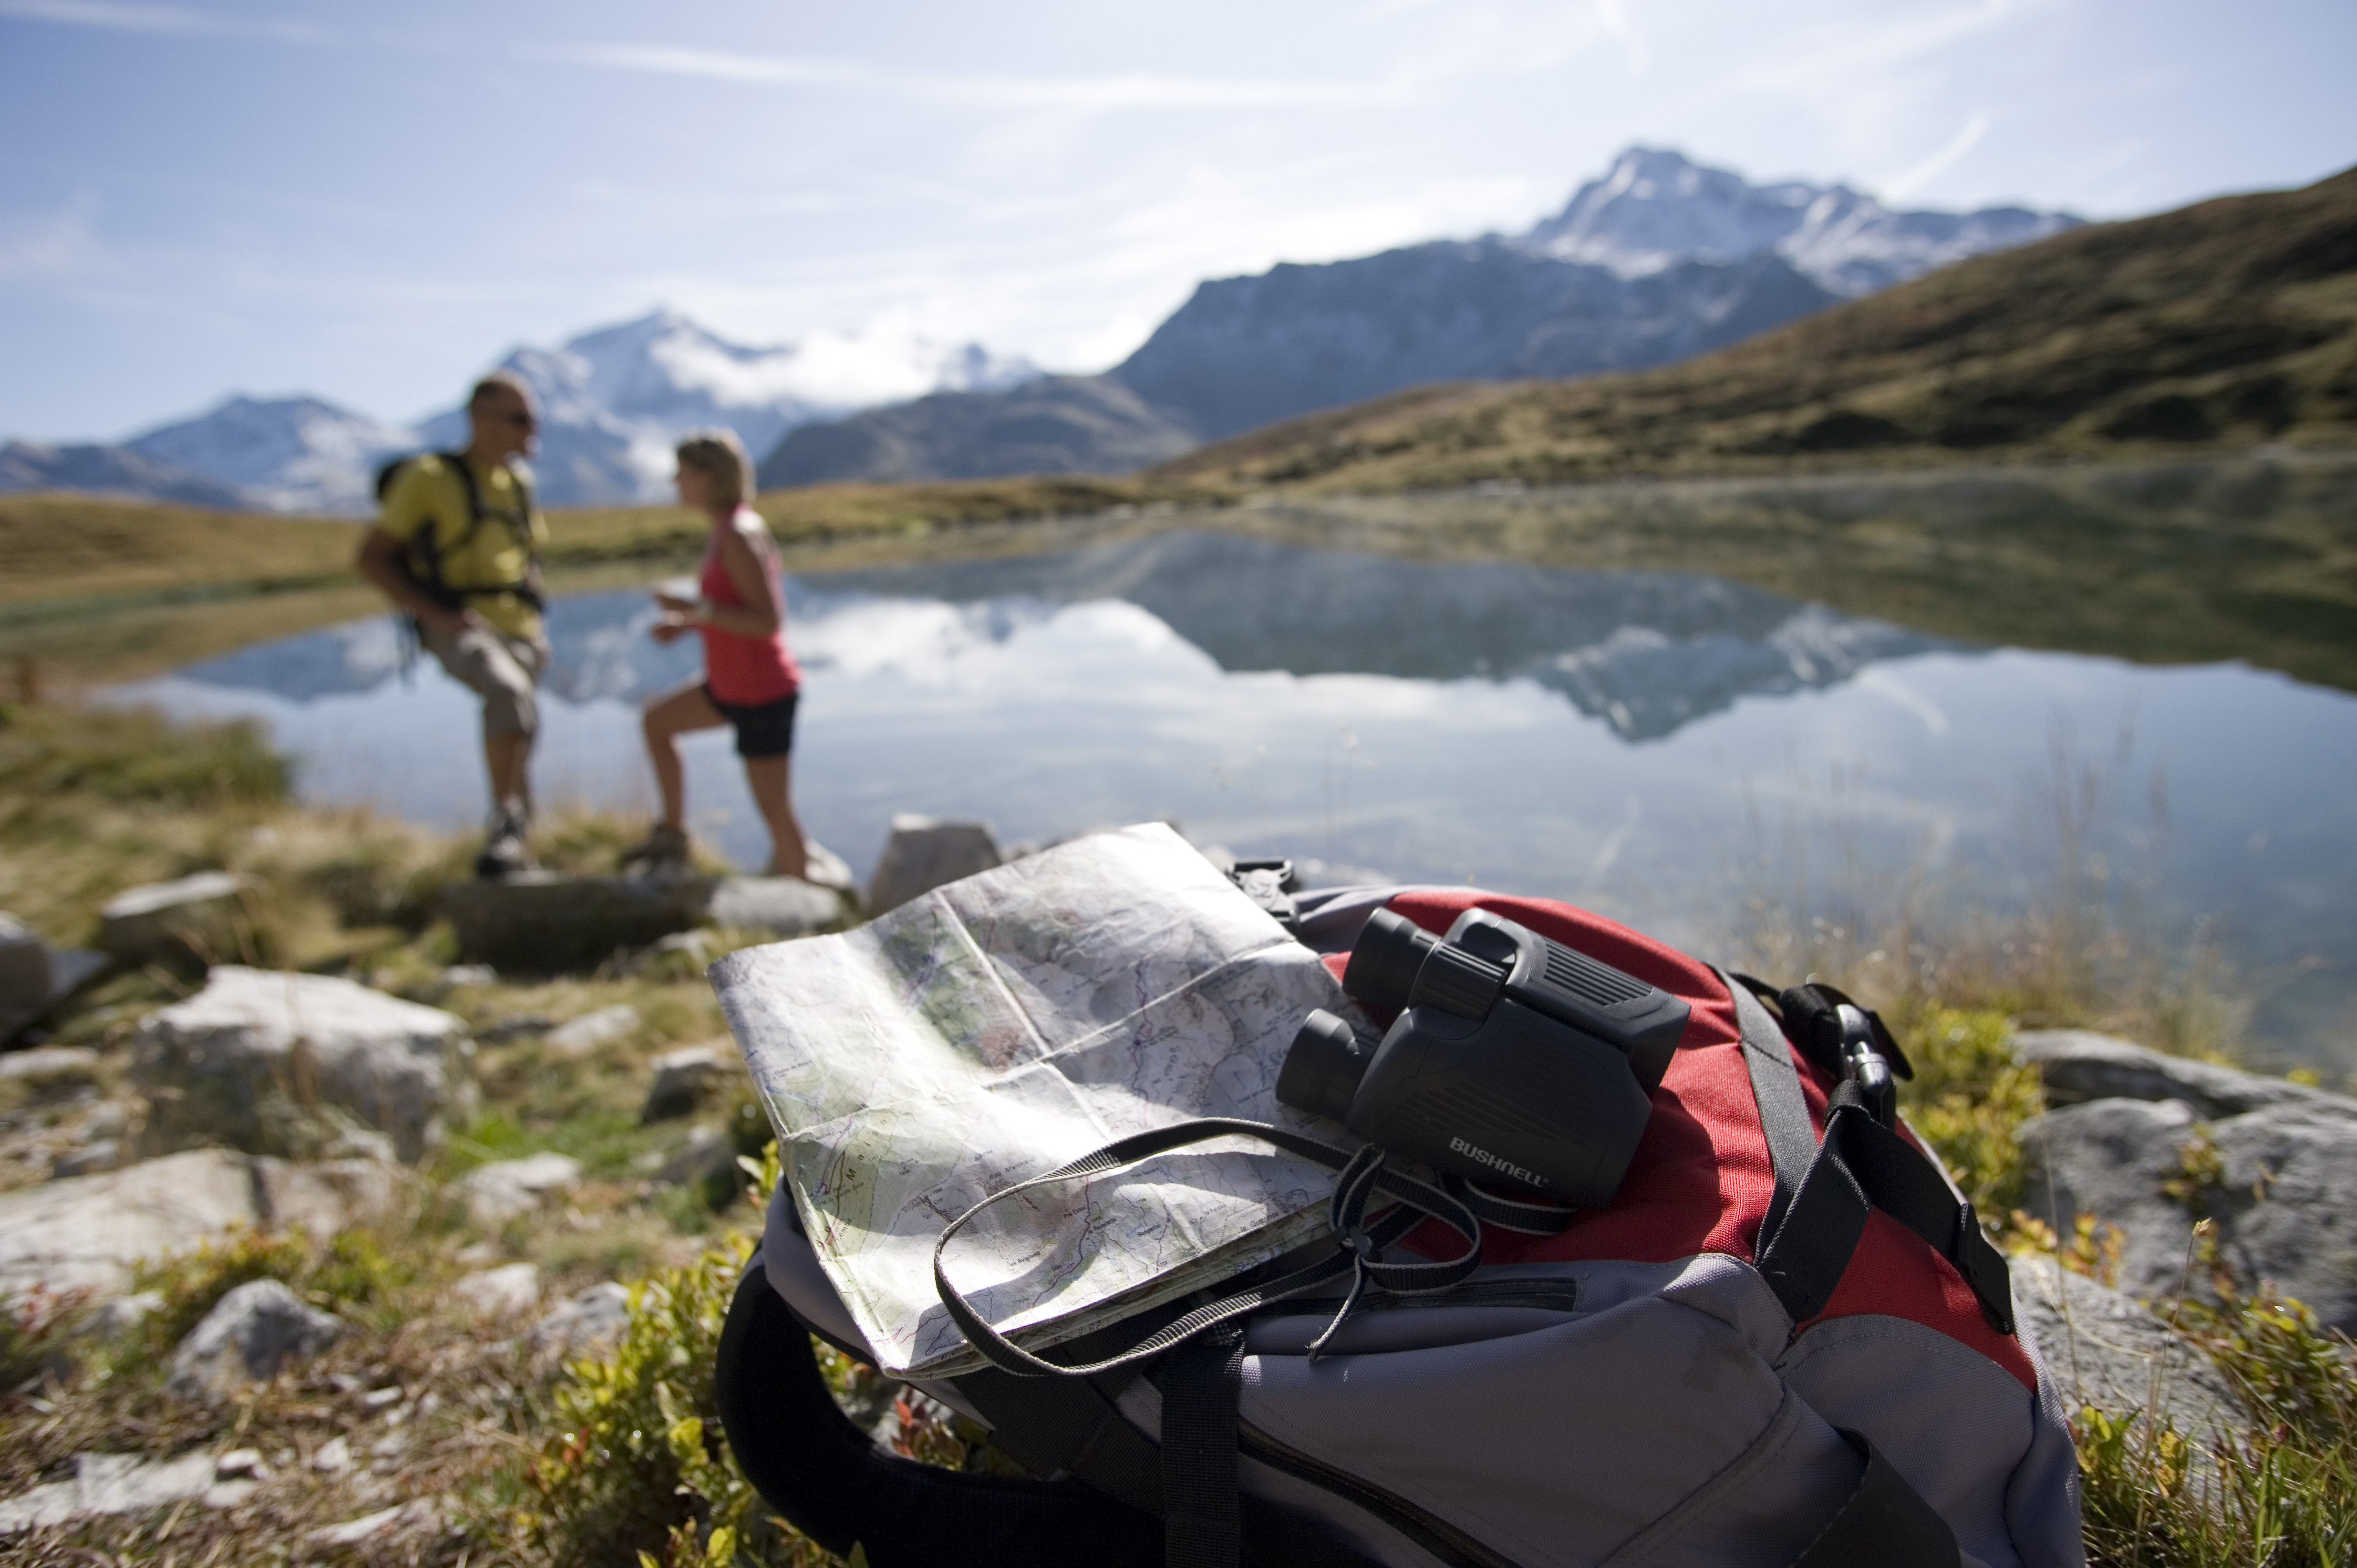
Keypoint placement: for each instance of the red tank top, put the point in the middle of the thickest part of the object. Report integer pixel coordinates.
(745, 672)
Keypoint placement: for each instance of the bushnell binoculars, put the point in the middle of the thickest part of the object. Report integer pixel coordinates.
(1513, 1057)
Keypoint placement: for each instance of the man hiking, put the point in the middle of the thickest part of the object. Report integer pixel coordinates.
(456, 546)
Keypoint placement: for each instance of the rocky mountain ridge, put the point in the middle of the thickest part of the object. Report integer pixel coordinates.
(1656, 262)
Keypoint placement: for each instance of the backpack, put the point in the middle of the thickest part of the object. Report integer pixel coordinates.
(1784, 1340)
(425, 556)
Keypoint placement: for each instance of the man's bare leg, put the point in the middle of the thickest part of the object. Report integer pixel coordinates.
(772, 792)
(507, 757)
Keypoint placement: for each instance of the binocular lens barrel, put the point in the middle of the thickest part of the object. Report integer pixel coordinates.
(1322, 1071)
(1386, 960)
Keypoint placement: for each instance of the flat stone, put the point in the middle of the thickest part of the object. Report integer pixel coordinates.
(545, 924)
(926, 853)
(583, 1034)
(276, 1063)
(333, 1457)
(825, 869)
(124, 1483)
(87, 1159)
(86, 1233)
(250, 1335)
(2280, 1204)
(503, 1292)
(2107, 1349)
(34, 976)
(422, 1513)
(199, 915)
(683, 1079)
(500, 1191)
(596, 1316)
(55, 1503)
(2079, 1065)
(778, 906)
(49, 1064)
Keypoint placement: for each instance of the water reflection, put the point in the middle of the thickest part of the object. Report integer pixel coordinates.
(1663, 747)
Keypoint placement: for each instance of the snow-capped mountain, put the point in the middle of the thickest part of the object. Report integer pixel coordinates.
(291, 454)
(614, 402)
(1654, 209)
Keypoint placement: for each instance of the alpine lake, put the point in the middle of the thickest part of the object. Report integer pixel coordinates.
(1640, 699)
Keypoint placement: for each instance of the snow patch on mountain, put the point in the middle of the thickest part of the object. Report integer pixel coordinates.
(1655, 209)
(289, 455)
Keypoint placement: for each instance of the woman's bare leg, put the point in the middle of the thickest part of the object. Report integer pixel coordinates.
(772, 792)
(664, 721)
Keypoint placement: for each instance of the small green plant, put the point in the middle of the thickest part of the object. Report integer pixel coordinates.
(349, 1272)
(1968, 1099)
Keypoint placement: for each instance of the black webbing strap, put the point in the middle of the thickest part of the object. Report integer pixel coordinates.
(1360, 1244)
(1885, 1523)
(1784, 1110)
(426, 549)
(1862, 1164)
(840, 1489)
(1202, 1513)
(1070, 1426)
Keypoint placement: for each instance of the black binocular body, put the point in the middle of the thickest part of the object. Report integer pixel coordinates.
(1512, 1058)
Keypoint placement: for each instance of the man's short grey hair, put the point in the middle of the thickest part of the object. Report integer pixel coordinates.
(718, 454)
(501, 381)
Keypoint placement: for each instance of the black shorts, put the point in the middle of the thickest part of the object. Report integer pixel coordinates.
(765, 729)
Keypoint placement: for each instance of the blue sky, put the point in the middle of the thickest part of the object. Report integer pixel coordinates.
(375, 203)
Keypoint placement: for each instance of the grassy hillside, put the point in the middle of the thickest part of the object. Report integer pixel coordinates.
(2220, 327)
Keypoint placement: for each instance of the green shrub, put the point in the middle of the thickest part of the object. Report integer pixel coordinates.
(1968, 1099)
(348, 1274)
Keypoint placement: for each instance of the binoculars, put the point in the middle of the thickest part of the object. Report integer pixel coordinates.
(1513, 1057)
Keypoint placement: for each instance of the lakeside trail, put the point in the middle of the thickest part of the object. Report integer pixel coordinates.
(497, 1350)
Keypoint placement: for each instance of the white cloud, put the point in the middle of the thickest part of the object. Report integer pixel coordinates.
(1930, 168)
(59, 244)
(113, 15)
(1614, 18)
(1121, 91)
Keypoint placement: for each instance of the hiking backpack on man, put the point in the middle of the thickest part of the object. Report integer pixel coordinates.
(456, 546)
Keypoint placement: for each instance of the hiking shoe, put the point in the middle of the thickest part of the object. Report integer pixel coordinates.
(664, 849)
(505, 851)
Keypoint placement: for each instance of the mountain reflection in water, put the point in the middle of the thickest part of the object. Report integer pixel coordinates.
(1669, 748)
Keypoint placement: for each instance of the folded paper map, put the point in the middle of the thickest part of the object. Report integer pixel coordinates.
(1002, 1025)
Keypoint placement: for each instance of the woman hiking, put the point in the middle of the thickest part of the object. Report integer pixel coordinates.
(749, 680)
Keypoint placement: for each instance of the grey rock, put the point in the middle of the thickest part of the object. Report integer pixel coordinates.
(596, 1316)
(583, 1034)
(419, 1515)
(35, 976)
(250, 1335)
(86, 1233)
(55, 1503)
(503, 1292)
(543, 923)
(500, 1191)
(87, 1159)
(280, 1064)
(49, 1064)
(2109, 1350)
(2079, 1065)
(202, 914)
(683, 1080)
(708, 1152)
(926, 853)
(781, 906)
(124, 1483)
(120, 1315)
(334, 1457)
(2280, 1204)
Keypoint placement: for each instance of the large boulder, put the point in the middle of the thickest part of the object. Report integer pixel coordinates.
(276, 1063)
(87, 1233)
(2078, 1065)
(683, 1079)
(543, 923)
(778, 906)
(2107, 1349)
(203, 916)
(926, 853)
(2274, 1182)
(248, 1336)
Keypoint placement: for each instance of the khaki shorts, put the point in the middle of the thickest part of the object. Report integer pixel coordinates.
(499, 667)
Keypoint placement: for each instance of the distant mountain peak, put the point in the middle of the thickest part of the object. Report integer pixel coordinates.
(1655, 209)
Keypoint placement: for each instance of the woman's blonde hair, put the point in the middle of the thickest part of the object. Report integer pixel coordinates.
(718, 456)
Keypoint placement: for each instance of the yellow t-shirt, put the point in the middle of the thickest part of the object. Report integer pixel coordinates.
(427, 493)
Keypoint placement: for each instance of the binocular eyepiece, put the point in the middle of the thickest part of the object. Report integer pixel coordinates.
(1512, 1056)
